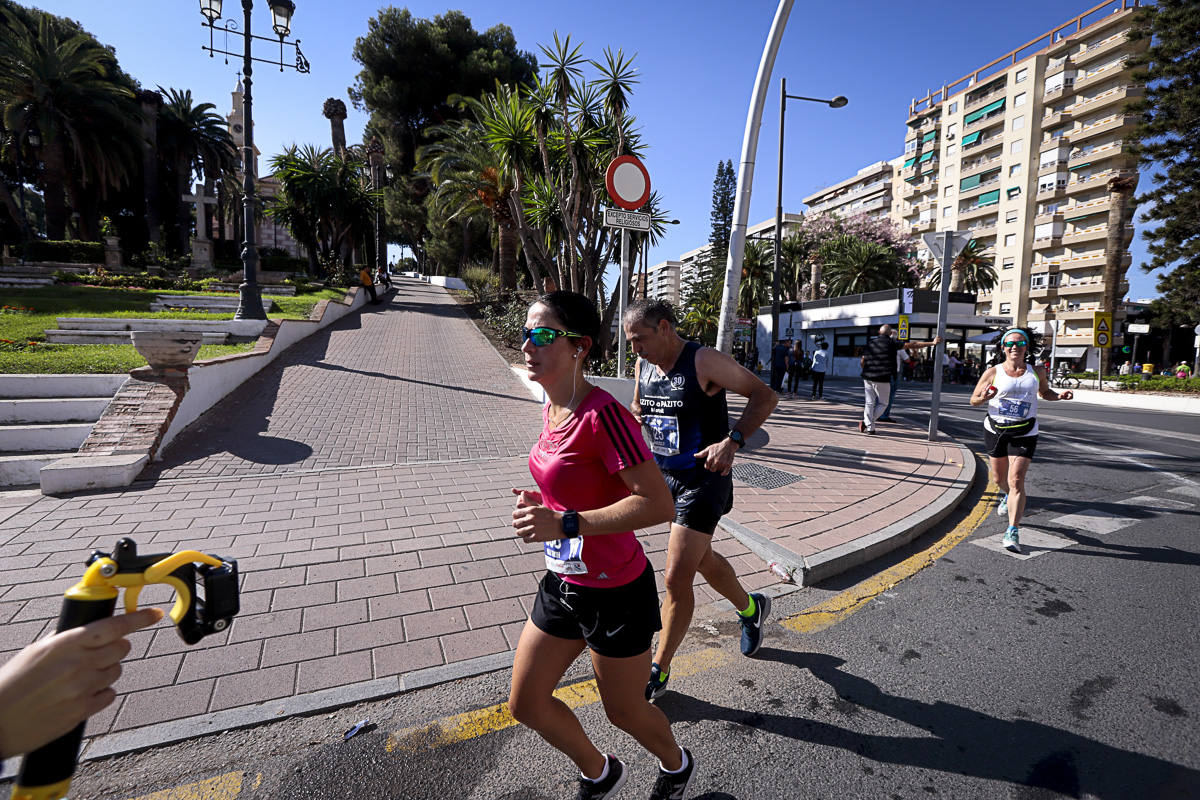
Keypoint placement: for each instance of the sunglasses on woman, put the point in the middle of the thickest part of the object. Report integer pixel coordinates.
(1016, 343)
(543, 336)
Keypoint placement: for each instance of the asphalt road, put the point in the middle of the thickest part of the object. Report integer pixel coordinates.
(1070, 673)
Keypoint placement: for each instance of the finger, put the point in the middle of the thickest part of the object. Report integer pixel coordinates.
(96, 703)
(110, 654)
(107, 630)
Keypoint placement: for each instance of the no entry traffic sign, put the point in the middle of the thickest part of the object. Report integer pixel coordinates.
(628, 182)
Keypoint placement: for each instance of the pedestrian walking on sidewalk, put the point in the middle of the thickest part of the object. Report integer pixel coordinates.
(364, 275)
(382, 276)
(878, 363)
(1011, 388)
(779, 359)
(897, 375)
(679, 396)
(596, 484)
(795, 365)
(820, 362)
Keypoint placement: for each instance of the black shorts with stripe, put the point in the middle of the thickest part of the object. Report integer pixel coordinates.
(616, 622)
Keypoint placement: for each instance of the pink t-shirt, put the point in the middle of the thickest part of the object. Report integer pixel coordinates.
(575, 467)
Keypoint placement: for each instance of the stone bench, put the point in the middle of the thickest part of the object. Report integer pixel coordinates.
(209, 303)
(115, 330)
(287, 291)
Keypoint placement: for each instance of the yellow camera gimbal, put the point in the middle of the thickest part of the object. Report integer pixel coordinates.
(46, 772)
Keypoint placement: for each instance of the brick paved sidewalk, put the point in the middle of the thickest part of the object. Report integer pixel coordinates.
(363, 483)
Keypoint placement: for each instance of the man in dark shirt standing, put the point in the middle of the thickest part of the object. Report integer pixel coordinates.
(779, 354)
(878, 363)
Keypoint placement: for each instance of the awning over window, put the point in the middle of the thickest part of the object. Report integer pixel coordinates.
(925, 157)
(971, 138)
(969, 183)
(989, 198)
(1069, 352)
(983, 112)
(910, 161)
(928, 137)
(1080, 166)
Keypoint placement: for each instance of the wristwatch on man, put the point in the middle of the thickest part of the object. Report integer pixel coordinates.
(737, 437)
(570, 524)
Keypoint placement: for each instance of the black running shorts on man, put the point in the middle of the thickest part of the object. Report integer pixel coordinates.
(681, 419)
(615, 621)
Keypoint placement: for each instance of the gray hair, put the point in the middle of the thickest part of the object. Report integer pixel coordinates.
(649, 312)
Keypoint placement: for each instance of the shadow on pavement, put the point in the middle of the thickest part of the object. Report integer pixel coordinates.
(963, 741)
(386, 376)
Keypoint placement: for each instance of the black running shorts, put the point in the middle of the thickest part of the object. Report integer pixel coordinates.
(701, 497)
(1001, 445)
(616, 622)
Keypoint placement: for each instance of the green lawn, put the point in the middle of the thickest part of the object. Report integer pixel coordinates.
(28, 313)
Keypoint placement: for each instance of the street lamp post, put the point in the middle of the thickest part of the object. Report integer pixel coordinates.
(250, 297)
(375, 156)
(836, 102)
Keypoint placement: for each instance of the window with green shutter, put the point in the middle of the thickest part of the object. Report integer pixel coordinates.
(989, 198)
(969, 183)
(909, 162)
(929, 137)
(925, 157)
(971, 138)
(983, 112)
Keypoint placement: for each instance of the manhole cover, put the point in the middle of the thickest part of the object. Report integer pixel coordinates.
(840, 455)
(763, 477)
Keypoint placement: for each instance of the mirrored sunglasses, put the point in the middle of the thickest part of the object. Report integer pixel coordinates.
(543, 336)
(1016, 343)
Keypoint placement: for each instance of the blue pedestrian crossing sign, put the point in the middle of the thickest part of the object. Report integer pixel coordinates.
(902, 327)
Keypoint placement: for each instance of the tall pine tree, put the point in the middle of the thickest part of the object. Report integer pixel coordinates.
(705, 282)
(1167, 141)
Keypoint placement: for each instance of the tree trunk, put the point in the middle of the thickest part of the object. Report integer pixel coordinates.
(958, 273)
(16, 212)
(506, 247)
(182, 181)
(54, 188)
(814, 290)
(1120, 191)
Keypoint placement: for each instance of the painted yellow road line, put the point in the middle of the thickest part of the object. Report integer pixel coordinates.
(833, 610)
(222, 787)
(473, 724)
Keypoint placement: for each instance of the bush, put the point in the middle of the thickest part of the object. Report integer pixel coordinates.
(1160, 383)
(508, 318)
(141, 280)
(481, 282)
(282, 263)
(68, 251)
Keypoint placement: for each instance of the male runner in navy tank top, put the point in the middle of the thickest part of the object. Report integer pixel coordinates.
(679, 397)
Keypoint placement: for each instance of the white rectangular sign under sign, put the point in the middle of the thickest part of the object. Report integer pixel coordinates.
(997, 320)
(1139, 328)
(615, 218)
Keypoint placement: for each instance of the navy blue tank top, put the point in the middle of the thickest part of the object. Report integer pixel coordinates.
(679, 417)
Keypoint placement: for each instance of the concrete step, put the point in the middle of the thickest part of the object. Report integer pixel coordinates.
(118, 337)
(201, 303)
(288, 291)
(40, 438)
(23, 282)
(43, 386)
(21, 469)
(47, 269)
(35, 410)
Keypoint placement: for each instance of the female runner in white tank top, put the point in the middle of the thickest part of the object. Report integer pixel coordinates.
(1011, 390)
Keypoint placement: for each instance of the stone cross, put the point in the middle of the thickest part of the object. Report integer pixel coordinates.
(201, 200)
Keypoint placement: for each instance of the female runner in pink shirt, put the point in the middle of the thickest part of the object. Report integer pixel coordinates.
(596, 483)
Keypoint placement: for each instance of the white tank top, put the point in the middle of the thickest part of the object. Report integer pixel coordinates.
(1016, 398)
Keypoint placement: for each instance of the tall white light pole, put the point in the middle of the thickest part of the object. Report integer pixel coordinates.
(741, 203)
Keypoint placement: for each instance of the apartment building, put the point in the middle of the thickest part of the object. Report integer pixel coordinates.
(662, 281)
(869, 193)
(1019, 152)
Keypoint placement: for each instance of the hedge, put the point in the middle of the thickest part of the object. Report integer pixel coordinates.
(69, 251)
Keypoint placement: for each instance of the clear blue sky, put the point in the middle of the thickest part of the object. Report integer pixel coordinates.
(697, 62)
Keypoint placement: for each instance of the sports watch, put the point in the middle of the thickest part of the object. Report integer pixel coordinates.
(570, 524)
(737, 437)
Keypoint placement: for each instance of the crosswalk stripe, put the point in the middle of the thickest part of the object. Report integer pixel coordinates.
(1033, 543)
(1094, 521)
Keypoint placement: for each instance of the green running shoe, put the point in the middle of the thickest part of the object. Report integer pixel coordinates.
(657, 686)
(1012, 540)
(1002, 508)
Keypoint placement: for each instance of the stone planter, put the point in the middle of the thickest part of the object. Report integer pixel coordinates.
(112, 252)
(166, 350)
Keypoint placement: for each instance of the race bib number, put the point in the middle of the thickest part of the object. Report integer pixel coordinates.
(565, 556)
(664, 434)
(1014, 409)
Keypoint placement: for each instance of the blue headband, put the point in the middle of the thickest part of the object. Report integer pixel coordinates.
(1024, 335)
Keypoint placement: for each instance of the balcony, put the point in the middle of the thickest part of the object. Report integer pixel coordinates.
(977, 212)
(1050, 193)
(1119, 94)
(1111, 124)
(1074, 289)
(1098, 180)
(1085, 80)
(922, 226)
(925, 120)
(1081, 209)
(1094, 233)
(984, 99)
(978, 188)
(978, 165)
(1052, 118)
(1053, 216)
(1084, 155)
(1089, 261)
(983, 123)
(1056, 66)
(1047, 167)
(1054, 240)
(1058, 92)
(982, 231)
(1101, 49)
(1043, 292)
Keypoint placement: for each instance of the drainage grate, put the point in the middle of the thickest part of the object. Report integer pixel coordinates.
(840, 455)
(762, 477)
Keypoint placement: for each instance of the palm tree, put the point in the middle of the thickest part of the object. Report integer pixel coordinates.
(58, 83)
(797, 255)
(470, 180)
(855, 266)
(758, 264)
(196, 140)
(972, 271)
(1120, 209)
